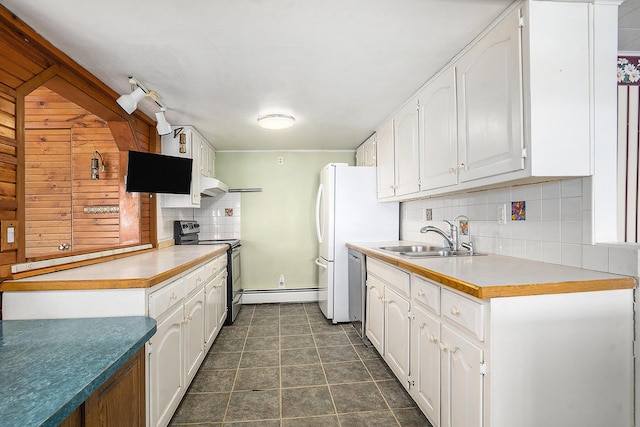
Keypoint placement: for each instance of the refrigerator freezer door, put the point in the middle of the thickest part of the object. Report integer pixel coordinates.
(325, 287)
(325, 215)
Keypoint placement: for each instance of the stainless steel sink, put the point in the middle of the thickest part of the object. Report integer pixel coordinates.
(424, 251)
(410, 248)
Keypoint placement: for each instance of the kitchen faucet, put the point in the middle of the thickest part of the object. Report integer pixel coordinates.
(450, 240)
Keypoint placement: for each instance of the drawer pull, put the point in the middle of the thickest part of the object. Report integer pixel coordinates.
(421, 293)
(173, 296)
(455, 311)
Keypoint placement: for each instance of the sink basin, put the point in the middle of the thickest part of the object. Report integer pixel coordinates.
(424, 251)
(410, 248)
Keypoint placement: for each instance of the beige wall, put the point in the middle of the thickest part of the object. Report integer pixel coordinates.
(278, 224)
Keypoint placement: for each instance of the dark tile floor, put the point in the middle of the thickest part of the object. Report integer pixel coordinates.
(284, 365)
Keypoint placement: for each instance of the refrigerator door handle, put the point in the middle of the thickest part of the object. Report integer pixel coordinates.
(320, 264)
(319, 231)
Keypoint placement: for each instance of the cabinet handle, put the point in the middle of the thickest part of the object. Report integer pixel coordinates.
(453, 170)
(432, 338)
(420, 293)
(462, 167)
(455, 311)
(173, 296)
(442, 347)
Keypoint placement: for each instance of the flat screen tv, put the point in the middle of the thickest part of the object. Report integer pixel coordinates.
(157, 173)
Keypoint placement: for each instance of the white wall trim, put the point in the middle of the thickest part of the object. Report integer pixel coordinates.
(266, 296)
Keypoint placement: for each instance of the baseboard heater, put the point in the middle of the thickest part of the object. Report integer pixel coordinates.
(264, 296)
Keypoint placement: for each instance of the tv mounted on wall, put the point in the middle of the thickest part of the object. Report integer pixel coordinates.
(157, 173)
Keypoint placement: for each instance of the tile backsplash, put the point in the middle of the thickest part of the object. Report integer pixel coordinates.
(219, 217)
(555, 224)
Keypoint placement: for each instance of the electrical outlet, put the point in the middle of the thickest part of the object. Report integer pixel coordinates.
(281, 160)
(281, 282)
(502, 213)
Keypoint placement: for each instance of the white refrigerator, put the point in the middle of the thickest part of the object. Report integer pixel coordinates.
(347, 210)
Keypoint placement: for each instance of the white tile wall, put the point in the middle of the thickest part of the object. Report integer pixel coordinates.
(557, 228)
(214, 223)
(213, 219)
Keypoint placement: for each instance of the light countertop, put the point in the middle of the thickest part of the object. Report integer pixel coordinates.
(492, 276)
(136, 271)
(49, 367)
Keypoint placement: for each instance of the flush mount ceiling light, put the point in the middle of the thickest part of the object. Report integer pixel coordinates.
(276, 121)
(129, 103)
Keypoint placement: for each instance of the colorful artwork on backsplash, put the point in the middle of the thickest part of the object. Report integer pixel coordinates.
(464, 227)
(428, 214)
(518, 211)
(629, 70)
(228, 211)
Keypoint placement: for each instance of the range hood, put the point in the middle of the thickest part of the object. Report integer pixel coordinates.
(212, 187)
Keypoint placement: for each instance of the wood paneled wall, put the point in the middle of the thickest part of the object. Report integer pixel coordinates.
(60, 141)
(27, 62)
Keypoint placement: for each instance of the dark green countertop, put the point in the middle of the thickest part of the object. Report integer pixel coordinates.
(49, 367)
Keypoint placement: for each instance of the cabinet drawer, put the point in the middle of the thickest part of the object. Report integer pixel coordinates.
(194, 279)
(425, 293)
(165, 298)
(465, 312)
(398, 279)
(213, 267)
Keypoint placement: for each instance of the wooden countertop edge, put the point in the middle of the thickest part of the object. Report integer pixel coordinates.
(505, 290)
(74, 285)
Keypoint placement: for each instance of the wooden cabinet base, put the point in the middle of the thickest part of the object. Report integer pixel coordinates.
(119, 401)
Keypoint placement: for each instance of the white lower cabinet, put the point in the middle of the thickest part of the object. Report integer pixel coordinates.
(461, 381)
(375, 313)
(187, 310)
(552, 360)
(396, 336)
(425, 363)
(166, 383)
(194, 333)
(388, 316)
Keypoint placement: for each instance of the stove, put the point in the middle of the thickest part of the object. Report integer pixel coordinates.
(186, 232)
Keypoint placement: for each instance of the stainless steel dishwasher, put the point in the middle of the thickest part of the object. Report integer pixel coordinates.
(357, 292)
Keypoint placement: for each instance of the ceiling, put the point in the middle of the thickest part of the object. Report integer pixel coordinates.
(341, 67)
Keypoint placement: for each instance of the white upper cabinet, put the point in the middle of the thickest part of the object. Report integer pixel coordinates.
(405, 133)
(386, 161)
(490, 104)
(366, 152)
(514, 106)
(439, 132)
(398, 157)
(203, 155)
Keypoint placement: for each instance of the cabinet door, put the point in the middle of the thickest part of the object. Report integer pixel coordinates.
(204, 158)
(490, 104)
(120, 400)
(221, 299)
(375, 313)
(405, 134)
(425, 364)
(386, 161)
(462, 381)
(211, 311)
(439, 132)
(194, 333)
(360, 156)
(171, 147)
(396, 335)
(166, 376)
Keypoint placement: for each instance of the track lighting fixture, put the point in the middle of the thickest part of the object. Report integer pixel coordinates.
(129, 103)
(163, 125)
